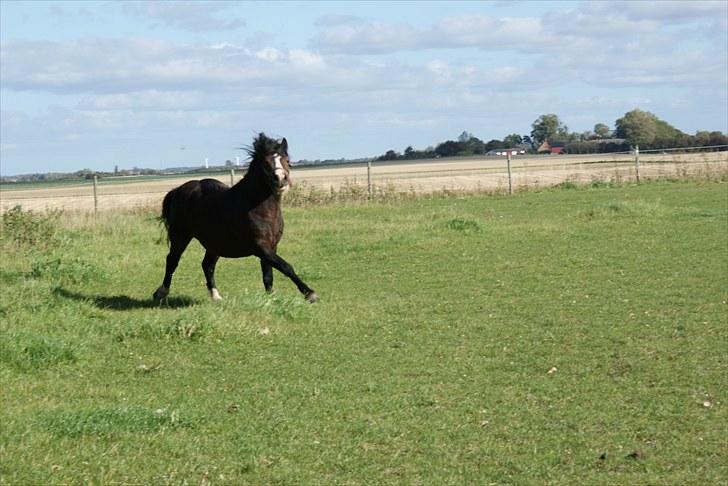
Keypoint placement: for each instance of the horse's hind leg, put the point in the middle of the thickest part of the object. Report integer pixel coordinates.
(208, 267)
(177, 246)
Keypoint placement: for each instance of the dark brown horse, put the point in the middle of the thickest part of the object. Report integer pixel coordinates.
(233, 222)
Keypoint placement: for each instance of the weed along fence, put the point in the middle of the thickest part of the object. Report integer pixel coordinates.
(510, 173)
(505, 174)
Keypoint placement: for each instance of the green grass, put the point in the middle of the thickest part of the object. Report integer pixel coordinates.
(556, 337)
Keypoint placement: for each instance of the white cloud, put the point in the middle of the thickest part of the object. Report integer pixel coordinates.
(270, 54)
(359, 36)
(673, 11)
(302, 58)
(186, 15)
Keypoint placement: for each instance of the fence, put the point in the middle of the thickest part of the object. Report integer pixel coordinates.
(513, 172)
(486, 173)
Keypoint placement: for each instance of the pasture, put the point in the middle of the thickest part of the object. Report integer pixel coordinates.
(561, 336)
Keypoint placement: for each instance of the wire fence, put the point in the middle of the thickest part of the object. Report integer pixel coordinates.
(507, 174)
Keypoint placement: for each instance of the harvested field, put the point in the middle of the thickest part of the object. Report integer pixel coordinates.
(424, 176)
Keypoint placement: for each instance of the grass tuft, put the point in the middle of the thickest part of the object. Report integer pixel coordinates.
(463, 225)
(26, 351)
(566, 185)
(632, 209)
(285, 305)
(64, 270)
(111, 421)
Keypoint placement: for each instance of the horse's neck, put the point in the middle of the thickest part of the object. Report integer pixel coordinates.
(253, 191)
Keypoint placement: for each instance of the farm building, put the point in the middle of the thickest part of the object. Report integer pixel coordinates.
(552, 148)
(504, 152)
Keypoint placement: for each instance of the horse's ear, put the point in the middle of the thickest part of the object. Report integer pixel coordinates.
(284, 146)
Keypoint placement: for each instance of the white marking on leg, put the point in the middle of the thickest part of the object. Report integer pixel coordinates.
(214, 294)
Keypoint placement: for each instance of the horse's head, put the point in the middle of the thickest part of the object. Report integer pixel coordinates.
(272, 155)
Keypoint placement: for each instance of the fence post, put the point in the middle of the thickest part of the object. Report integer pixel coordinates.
(232, 177)
(510, 177)
(369, 178)
(637, 162)
(96, 198)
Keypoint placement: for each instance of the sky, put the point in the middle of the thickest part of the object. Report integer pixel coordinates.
(165, 84)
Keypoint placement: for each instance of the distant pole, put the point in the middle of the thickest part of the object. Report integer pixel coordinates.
(510, 176)
(232, 177)
(637, 162)
(96, 198)
(369, 178)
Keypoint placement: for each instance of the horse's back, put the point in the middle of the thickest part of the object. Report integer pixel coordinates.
(212, 186)
(197, 188)
(181, 202)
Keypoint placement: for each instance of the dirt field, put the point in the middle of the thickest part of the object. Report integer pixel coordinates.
(488, 173)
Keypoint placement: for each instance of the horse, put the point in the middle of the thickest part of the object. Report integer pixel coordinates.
(233, 222)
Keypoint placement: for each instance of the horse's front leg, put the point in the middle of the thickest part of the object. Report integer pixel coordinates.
(208, 268)
(267, 270)
(271, 258)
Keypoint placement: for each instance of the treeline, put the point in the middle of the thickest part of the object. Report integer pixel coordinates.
(466, 144)
(635, 128)
(677, 141)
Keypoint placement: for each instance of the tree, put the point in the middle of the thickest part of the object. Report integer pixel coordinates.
(527, 140)
(390, 155)
(409, 152)
(494, 145)
(465, 136)
(448, 148)
(473, 146)
(548, 127)
(637, 127)
(717, 138)
(512, 140)
(702, 137)
(601, 130)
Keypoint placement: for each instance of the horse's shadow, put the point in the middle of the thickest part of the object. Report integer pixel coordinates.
(124, 302)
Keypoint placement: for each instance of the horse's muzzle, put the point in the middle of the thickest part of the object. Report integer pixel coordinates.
(284, 183)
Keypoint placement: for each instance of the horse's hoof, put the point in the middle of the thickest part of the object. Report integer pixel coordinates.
(312, 297)
(215, 295)
(161, 293)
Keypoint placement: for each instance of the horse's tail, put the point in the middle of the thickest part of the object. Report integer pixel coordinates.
(168, 212)
(176, 207)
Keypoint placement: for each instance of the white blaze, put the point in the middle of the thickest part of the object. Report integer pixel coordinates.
(279, 170)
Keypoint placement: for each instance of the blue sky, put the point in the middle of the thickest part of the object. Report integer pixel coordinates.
(162, 84)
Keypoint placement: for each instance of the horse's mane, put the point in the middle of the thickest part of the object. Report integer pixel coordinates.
(262, 145)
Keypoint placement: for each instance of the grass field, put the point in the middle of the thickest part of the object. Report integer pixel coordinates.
(572, 336)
